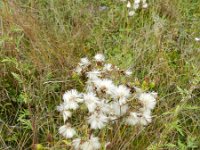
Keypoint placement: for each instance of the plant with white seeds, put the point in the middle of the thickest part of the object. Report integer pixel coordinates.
(102, 103)
(197, 39)
(67, 131)
(133, 6)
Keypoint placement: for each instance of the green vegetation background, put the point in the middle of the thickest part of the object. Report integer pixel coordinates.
(41, 42)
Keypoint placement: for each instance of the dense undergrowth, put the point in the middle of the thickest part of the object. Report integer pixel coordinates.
(42, 40)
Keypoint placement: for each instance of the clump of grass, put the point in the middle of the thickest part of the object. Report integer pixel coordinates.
(41, 41)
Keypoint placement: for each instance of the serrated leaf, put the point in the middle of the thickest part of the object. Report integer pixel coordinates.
(189, 107)
(170, 145)
(17, 77)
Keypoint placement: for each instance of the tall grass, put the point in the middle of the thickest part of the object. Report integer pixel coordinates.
(42, 40)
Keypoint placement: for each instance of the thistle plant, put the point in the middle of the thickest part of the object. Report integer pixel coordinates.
(135, 5)
(108, 97)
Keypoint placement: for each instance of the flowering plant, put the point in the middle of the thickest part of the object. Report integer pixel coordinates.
(107, 97)
(134, 6)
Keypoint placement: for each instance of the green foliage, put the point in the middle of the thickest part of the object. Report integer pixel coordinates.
(24, 119)
(42, 40)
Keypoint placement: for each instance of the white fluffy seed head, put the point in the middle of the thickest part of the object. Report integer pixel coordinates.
(91, 101)
(145, 118)
(97, 120)
(136, 6)
(104, 86)
(131, 13)
(61, 107)
(105, 101)
(72, 95)
(197, 39)
(142, 118)
(137, 1)
(107, 67)
(128, 72)
(91, 144)
(99, 57)
(66, 115)
(71, 99)
(93, 75)
(132, 119)
(78, 70)
(144, 5)
(148, 100)
(144, 1)
(95, 142)
(128, 4)
(121, 93)
(67, 131)
(84, 62)
(103, 106)
(76, 143)
(117, 109)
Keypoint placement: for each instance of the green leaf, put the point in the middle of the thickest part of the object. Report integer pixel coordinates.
(17, 77)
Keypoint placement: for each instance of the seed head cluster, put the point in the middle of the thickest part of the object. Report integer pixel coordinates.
(133, 6)
(105, 100)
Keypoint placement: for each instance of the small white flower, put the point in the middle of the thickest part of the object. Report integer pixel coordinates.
(121, 93)
(132, 119)
(136, 6)
(84, 62)
(137, 1)
(139, 118)
(116, 68)
(86, 146)
(104, 86)
(91, 144)
(72, 95)
(90, 88)
(144, 5)
(131, 13)
(76, 143)
(197, 39)
(97, 120)
(103, 106)
(71, 105)
(65, 107)
(128, 4)
(61, 107)
(145, 118)
(66, 115)
(94, 74)
(144, 1)
(148, 101)
(138, 90)
(71, 99)
(78, 70)
(107, 67)
(91, 101)
(95, 142)
(128, 72)
(67, 131)
(99, 58)
(154, 94)
(117, 109)
(122, 101)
